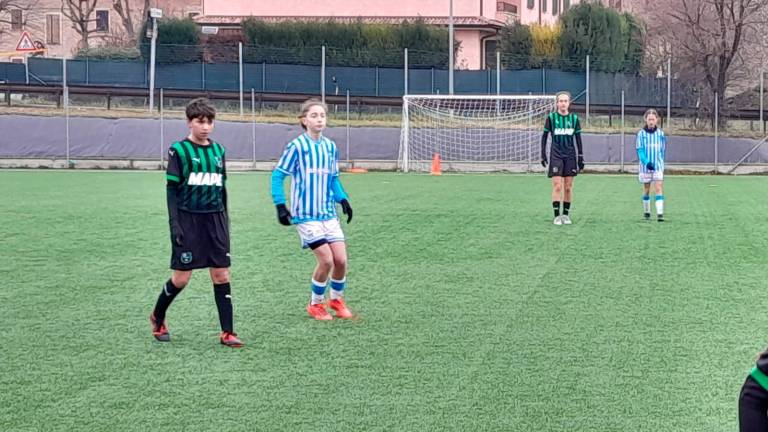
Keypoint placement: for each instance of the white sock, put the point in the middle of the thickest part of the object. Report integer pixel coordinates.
(659, 204)
(337, 288)
(318, 292)
(646, 205)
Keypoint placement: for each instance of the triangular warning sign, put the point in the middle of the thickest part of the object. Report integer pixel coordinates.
(25, 43)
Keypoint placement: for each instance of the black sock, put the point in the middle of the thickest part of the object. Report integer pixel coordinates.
(221, 293)
(167, 294)
(556, 207)
(566, 207)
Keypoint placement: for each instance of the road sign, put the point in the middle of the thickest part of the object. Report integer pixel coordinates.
(25, 43)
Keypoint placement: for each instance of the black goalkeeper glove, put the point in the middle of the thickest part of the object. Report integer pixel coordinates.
(544, 161)
(177, 234)
(581, 163)
(347, 209)
(283, 215)
(650, 166)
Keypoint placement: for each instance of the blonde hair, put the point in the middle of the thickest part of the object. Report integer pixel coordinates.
(307, 105)
(561, 93)
(649, 112)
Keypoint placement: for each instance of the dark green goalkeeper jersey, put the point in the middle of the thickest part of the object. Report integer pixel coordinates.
(200, 173)
(564, 129)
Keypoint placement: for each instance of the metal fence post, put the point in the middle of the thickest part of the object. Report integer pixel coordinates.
(587, 113)
(162, 128)
(668, 124)
(405, 73)
(498, 72)
(240, 69)
(322, 76)
(65, 95)
(264, 77)
(347, 125)
(432, 82)
(253, 123)
(623, 147)
(717, 129)
(762, 94)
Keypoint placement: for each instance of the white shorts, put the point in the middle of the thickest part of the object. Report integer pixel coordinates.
(313, 231)
(651, 176)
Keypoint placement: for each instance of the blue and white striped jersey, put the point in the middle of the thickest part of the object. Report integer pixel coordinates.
(651, 147)
(312, 165)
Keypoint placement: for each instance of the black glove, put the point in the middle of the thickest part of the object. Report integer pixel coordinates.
(581, 163)
(347, 209)
(544, 162)
(650, 166)
(177, 234)
(283, 215)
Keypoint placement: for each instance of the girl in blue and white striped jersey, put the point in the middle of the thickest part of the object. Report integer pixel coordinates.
(651, 147)
(312, 162)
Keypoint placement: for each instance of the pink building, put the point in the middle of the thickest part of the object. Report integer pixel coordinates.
(49, 27)
(476, 22)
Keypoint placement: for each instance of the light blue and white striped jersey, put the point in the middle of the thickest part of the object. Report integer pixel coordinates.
(651, 147)
(312, 165)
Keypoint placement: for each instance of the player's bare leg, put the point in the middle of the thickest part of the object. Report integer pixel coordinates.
(339, 280)
(316, 306)
(647, 201)
(557, 194)
(660, 200)
(567, 195)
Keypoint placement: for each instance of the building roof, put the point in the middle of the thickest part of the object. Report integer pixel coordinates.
(459, 21)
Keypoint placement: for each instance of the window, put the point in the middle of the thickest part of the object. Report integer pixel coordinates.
(566, 5)
(102, 20)
(506, 7)
(16, 19)
(531, 4)
(192, 14)
(543, 5)
(555, 7)
(53, 29)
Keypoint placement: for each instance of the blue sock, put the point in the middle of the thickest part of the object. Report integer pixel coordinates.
(318, 292)
(337, 288)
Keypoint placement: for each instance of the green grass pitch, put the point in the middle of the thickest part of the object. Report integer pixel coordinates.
(475, 311)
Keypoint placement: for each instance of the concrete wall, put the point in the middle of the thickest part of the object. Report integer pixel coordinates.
(43, 137)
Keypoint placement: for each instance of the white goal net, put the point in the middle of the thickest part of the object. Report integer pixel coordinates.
(472, 133)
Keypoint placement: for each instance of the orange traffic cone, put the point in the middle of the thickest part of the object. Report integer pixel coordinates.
(436, 165)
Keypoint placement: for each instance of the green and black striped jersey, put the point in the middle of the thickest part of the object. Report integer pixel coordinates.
(200, 172)
(564, 128)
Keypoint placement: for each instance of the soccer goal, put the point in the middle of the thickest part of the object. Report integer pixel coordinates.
(472, 133)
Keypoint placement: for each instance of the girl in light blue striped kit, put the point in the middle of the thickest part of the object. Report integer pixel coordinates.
(311, 160)
(651, 147)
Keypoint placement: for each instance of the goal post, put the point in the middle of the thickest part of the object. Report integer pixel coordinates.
(472, 133)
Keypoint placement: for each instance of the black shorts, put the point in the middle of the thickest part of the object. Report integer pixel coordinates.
(563, 166)
(206, 241)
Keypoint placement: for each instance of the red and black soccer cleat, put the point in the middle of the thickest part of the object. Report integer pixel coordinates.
(230, 340)
(159, 330)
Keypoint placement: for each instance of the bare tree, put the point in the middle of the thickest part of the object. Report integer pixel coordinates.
(6, 6)
(127, 15)
(707, 38)
(79, 14)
